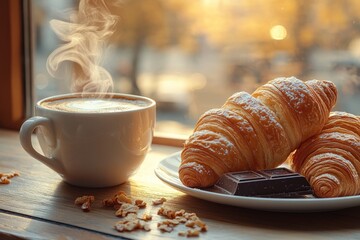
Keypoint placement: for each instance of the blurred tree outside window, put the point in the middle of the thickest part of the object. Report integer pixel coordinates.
(190, 56)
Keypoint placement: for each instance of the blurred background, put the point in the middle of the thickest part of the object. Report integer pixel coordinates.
(190, 56)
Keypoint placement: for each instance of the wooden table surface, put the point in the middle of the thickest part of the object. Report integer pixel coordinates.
(39, 205)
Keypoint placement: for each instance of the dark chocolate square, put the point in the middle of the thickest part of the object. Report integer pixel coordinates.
(247, 175)
(278, 182)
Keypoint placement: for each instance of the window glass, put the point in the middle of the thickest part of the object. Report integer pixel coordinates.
(190, 56)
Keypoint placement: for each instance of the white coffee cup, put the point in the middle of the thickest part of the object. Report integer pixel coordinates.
(91, 142)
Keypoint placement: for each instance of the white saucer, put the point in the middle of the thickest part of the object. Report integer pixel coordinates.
(167, 171)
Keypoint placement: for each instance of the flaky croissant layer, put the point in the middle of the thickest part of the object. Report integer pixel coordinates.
(255, 131)
(330, 160)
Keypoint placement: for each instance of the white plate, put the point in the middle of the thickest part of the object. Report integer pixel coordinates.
(167, 171)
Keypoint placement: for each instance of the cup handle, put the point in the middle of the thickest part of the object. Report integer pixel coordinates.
(27, 129)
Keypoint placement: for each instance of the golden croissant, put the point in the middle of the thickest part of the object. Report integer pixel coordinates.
(256, 131)
(330, 160)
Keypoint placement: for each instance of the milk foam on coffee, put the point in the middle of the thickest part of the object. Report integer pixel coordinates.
(94, 105)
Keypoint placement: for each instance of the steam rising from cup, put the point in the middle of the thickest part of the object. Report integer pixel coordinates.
(85, 37)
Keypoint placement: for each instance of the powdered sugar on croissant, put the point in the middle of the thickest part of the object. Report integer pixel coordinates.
(330, 160)
(255, 131)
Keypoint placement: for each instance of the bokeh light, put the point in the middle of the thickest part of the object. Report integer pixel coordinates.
(278, 32)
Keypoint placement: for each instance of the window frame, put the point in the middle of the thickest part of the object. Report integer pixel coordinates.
(12, 97)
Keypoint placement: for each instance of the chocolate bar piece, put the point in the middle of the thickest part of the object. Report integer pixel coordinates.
(277, 182)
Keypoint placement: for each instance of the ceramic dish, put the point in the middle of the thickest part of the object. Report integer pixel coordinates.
(167, 171)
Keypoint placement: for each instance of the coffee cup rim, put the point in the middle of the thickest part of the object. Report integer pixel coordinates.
(152, 103)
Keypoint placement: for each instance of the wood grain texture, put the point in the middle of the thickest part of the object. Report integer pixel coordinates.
(18, 227)
(39, 199)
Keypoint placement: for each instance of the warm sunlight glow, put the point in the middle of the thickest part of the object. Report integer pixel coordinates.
(211, 3)
(278, 32)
